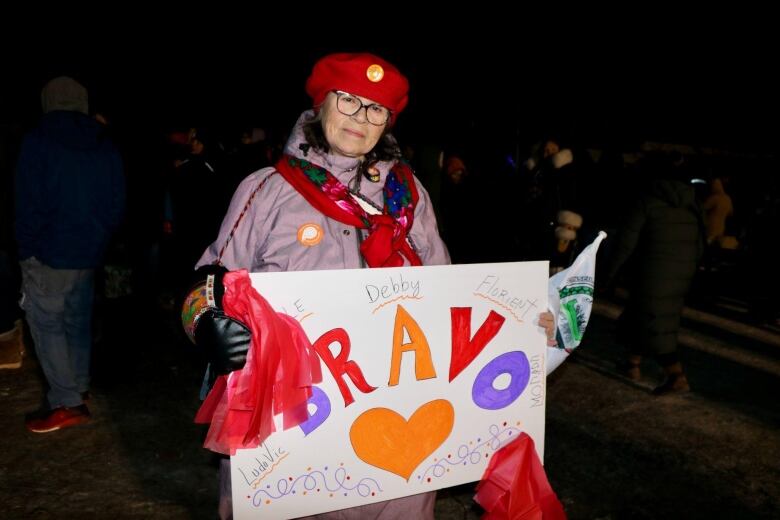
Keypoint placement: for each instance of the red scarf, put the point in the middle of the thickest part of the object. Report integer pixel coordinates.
(386, 244)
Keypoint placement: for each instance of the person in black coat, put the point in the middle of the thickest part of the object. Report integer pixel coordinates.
(198, 177)
(663, 234)
(554, 205)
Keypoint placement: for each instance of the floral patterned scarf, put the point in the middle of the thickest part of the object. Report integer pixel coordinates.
(386, 244)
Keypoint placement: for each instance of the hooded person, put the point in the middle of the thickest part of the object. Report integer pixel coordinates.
(339, 198)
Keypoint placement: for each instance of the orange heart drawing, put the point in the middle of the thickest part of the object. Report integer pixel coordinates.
(384, 439)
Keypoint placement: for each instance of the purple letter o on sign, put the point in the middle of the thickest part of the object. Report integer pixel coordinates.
(486, 396)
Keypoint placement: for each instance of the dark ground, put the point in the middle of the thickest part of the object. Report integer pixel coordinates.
(612, 450)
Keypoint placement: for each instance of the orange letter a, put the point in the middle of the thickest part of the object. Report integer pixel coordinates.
(423, 365)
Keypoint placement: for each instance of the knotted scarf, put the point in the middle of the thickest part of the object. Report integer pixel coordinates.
(386, 244)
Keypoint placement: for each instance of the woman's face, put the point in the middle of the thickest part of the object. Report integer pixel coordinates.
(350, 136)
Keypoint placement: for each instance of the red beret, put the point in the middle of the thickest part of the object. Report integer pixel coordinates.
(361, 74)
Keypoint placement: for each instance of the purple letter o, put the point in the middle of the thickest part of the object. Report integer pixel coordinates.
(513, 363)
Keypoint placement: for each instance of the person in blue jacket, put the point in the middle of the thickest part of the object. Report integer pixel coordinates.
(70, 197)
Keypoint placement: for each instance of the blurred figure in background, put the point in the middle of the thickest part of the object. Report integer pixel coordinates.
(718, 208)
(198, 177)
(70, 197)
(11, 329)
(251, 154)
(457, 194)
(553, 206)
(663, 234)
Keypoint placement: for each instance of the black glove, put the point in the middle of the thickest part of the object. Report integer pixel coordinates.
(225, 340)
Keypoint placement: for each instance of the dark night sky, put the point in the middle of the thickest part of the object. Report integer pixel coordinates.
(710, 92)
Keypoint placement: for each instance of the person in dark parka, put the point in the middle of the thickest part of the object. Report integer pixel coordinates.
(663, 233)
(69, 200)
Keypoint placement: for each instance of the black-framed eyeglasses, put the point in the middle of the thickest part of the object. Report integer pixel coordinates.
(349, 105)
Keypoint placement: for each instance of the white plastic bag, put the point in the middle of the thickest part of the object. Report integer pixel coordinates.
(570, 297)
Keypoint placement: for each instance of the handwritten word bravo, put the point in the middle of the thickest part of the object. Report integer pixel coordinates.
(464, 349)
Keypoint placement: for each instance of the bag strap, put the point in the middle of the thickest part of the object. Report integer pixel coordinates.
(218, 261)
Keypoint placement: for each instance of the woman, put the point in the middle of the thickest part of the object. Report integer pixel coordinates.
(340, 198)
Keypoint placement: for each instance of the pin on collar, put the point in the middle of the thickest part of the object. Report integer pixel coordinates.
(372, 173)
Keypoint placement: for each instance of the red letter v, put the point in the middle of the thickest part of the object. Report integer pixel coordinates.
(464, 348)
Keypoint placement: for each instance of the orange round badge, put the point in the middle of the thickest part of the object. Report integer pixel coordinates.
(310, 234)
(375, 73)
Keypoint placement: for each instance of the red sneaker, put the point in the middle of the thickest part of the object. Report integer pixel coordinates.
(57, 418)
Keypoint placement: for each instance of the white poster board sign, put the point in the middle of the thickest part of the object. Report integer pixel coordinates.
(456, 360)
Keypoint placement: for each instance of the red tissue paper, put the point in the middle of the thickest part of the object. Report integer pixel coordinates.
(515, 486)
